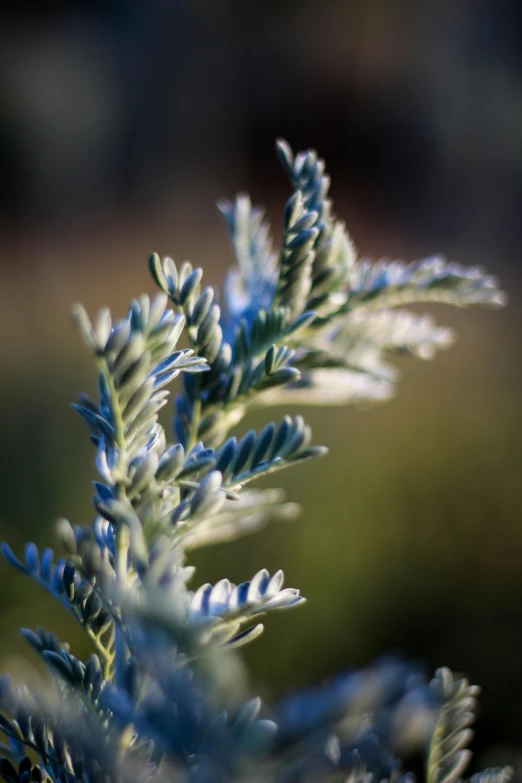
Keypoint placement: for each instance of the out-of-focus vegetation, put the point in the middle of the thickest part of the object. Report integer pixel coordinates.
(137, 121)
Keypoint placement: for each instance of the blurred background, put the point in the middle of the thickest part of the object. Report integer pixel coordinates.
(121, 123)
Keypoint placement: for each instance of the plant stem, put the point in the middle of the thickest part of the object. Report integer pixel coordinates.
(122, 532)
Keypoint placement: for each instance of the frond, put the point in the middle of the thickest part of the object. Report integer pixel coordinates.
(205, 332)
(85, 681)
(201, 312)
(237, 604)
(395, 331)
(252, 376)
(297, 256)
(335, 254)
(393, 283)
(249, 287)
(266, 329)
(137, 357)
(334, 386)
(306, 172)
(210, 479)
(248, 514)
(273, 449)
(448, 754)
(352, 355)
(74, 591)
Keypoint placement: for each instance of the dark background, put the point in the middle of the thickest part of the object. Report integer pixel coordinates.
(120, 125)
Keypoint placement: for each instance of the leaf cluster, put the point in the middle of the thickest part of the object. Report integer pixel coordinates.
(160, 697)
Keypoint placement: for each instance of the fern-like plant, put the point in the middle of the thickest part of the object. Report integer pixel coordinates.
(156, 700)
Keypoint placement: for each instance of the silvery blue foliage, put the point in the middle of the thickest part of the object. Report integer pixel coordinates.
(164, 696)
